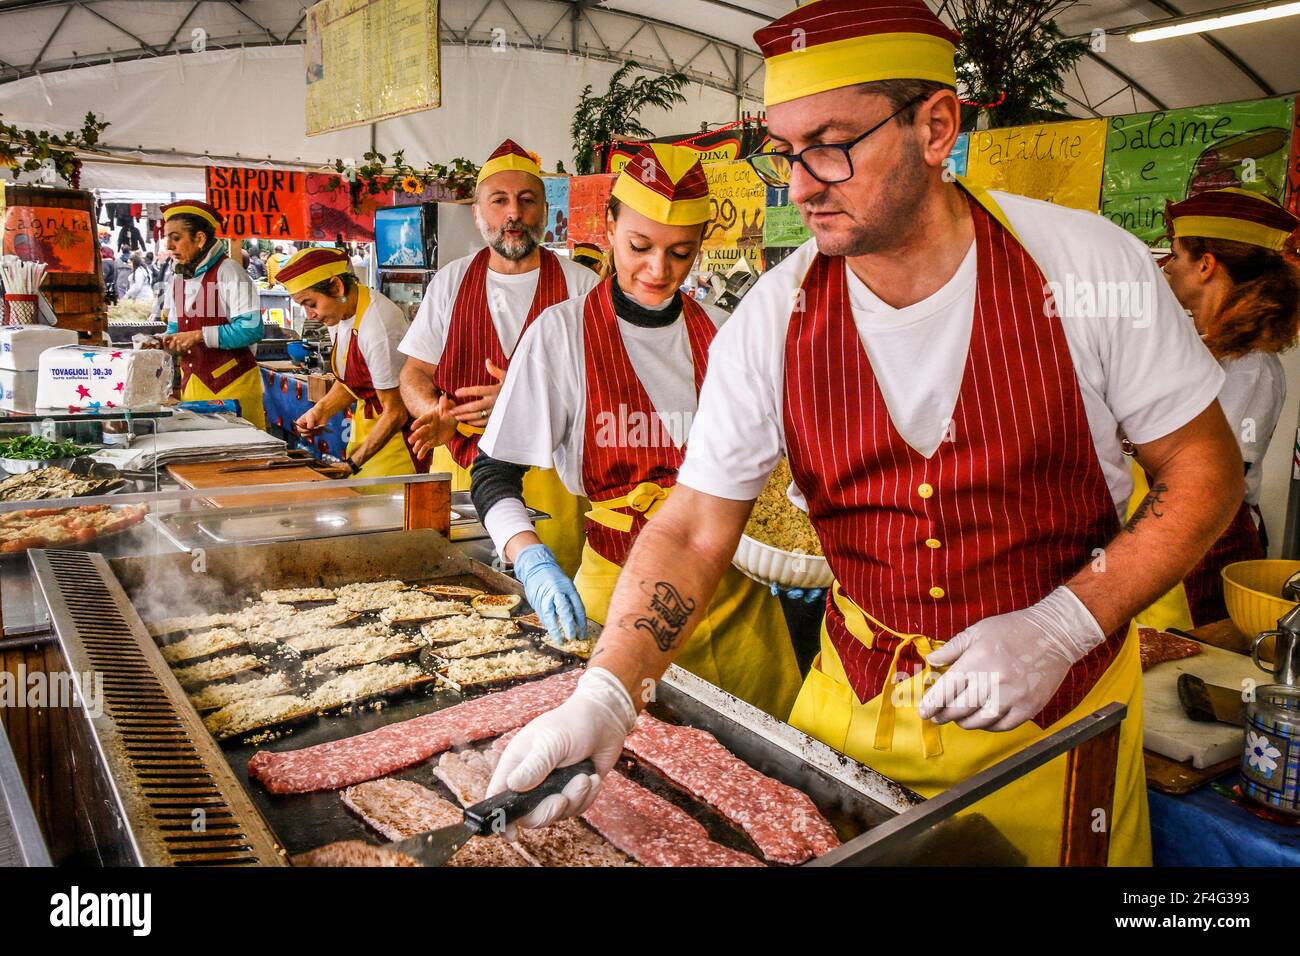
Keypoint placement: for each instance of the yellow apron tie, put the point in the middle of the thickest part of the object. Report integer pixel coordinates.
(645, 498)
(864, 627)
(469, 431)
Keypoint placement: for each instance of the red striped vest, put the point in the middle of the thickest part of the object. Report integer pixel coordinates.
(1009, 508)
(356, 376)
(472, 338)
(611, 469)
(218, 369)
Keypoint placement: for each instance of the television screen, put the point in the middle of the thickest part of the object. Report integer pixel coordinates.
(399, 237)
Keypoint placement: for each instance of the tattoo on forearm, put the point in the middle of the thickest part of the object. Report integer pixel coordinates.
(669, 612)
(1148, 506)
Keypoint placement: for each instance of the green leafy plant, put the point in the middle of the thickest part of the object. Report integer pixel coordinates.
(599, 120)
(27, 150)
(33, 448)
(1012, 59)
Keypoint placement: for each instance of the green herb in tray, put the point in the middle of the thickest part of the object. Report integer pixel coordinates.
(32, 448)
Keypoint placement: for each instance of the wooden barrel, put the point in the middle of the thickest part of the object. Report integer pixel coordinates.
(77, 298)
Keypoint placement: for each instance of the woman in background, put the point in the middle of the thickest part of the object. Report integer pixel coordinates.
(1230, 269)
(213, 311)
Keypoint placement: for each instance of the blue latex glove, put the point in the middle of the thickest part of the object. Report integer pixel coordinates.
(551, 594)
(809, 596)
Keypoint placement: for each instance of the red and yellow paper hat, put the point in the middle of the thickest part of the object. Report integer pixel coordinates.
(665, 183)
(587, 252)
(509, 155)
(826, 44)
(1234, 214)
(194, 207)
(309, 266)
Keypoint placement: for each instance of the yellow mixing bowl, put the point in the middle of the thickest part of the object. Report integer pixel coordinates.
(1252, 590)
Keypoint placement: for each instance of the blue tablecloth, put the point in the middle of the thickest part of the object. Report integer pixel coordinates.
(285, 400)
(1208, 828)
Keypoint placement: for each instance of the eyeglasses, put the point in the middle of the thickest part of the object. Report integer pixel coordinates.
(827, 163)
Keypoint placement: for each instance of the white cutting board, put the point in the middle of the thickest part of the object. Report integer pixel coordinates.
(1167, 730)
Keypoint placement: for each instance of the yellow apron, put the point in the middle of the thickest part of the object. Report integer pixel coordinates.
(1171, 608)
(247, 390)
(394, 458)
(543, 490)
(742, 645)
(1028, 811)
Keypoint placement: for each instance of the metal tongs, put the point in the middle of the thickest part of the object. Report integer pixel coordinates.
(436, 847)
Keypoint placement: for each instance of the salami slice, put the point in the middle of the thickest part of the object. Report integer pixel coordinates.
(652, 831)
(341, 763)
(1156, 647)
(783, 822)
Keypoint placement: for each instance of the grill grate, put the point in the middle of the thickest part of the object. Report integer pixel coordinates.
(178, 798)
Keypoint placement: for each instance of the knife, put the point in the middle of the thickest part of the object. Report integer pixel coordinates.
(436, 847)
(1209, 702)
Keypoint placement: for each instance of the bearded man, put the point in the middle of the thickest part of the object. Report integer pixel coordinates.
(472, 315)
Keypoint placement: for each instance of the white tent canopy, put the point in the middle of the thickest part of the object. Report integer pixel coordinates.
(242, 101)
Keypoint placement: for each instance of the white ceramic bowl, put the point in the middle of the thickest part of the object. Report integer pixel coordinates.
(768, 565)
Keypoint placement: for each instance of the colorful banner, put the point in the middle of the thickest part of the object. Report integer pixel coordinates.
(1153, 157)
(783, 228)
(722, 146)
(738, 201)
(258, 203)
(330, 216)
(588, 196)
(367, 60)
(64, 239)
(557, 212)
(723, 261)
(1057, 162)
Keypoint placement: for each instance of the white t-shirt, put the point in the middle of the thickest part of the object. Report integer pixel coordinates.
(382, 327)
(1141, 366)
(1252, 396)
(540, 416)
(238, 294)
(509, 299)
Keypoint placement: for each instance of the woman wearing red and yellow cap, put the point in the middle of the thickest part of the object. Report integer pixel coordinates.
(603, 389)
(1229, 269)
(214, 313)
(365, 328)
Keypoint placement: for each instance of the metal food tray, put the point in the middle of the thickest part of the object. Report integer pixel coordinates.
(269, 524)
(93, 604)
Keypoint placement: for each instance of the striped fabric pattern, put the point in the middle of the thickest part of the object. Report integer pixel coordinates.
(827, 21)
(356, 377)
(1017, 499)
(201, 360)
(309, 266)
(472, 337)
(647, 168)
(1235, 204)
(612, 471)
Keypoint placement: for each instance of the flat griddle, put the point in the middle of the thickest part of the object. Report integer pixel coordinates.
(855, 799)
(305, 821)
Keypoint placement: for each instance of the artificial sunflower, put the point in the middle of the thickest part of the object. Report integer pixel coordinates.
(410, 184)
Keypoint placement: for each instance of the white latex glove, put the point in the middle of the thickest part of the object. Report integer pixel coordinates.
(593, 723)
(1004, 669)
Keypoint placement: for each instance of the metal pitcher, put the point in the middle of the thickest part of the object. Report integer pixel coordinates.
(1286, 652)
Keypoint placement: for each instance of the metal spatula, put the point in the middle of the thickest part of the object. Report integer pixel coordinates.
(436, 847)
